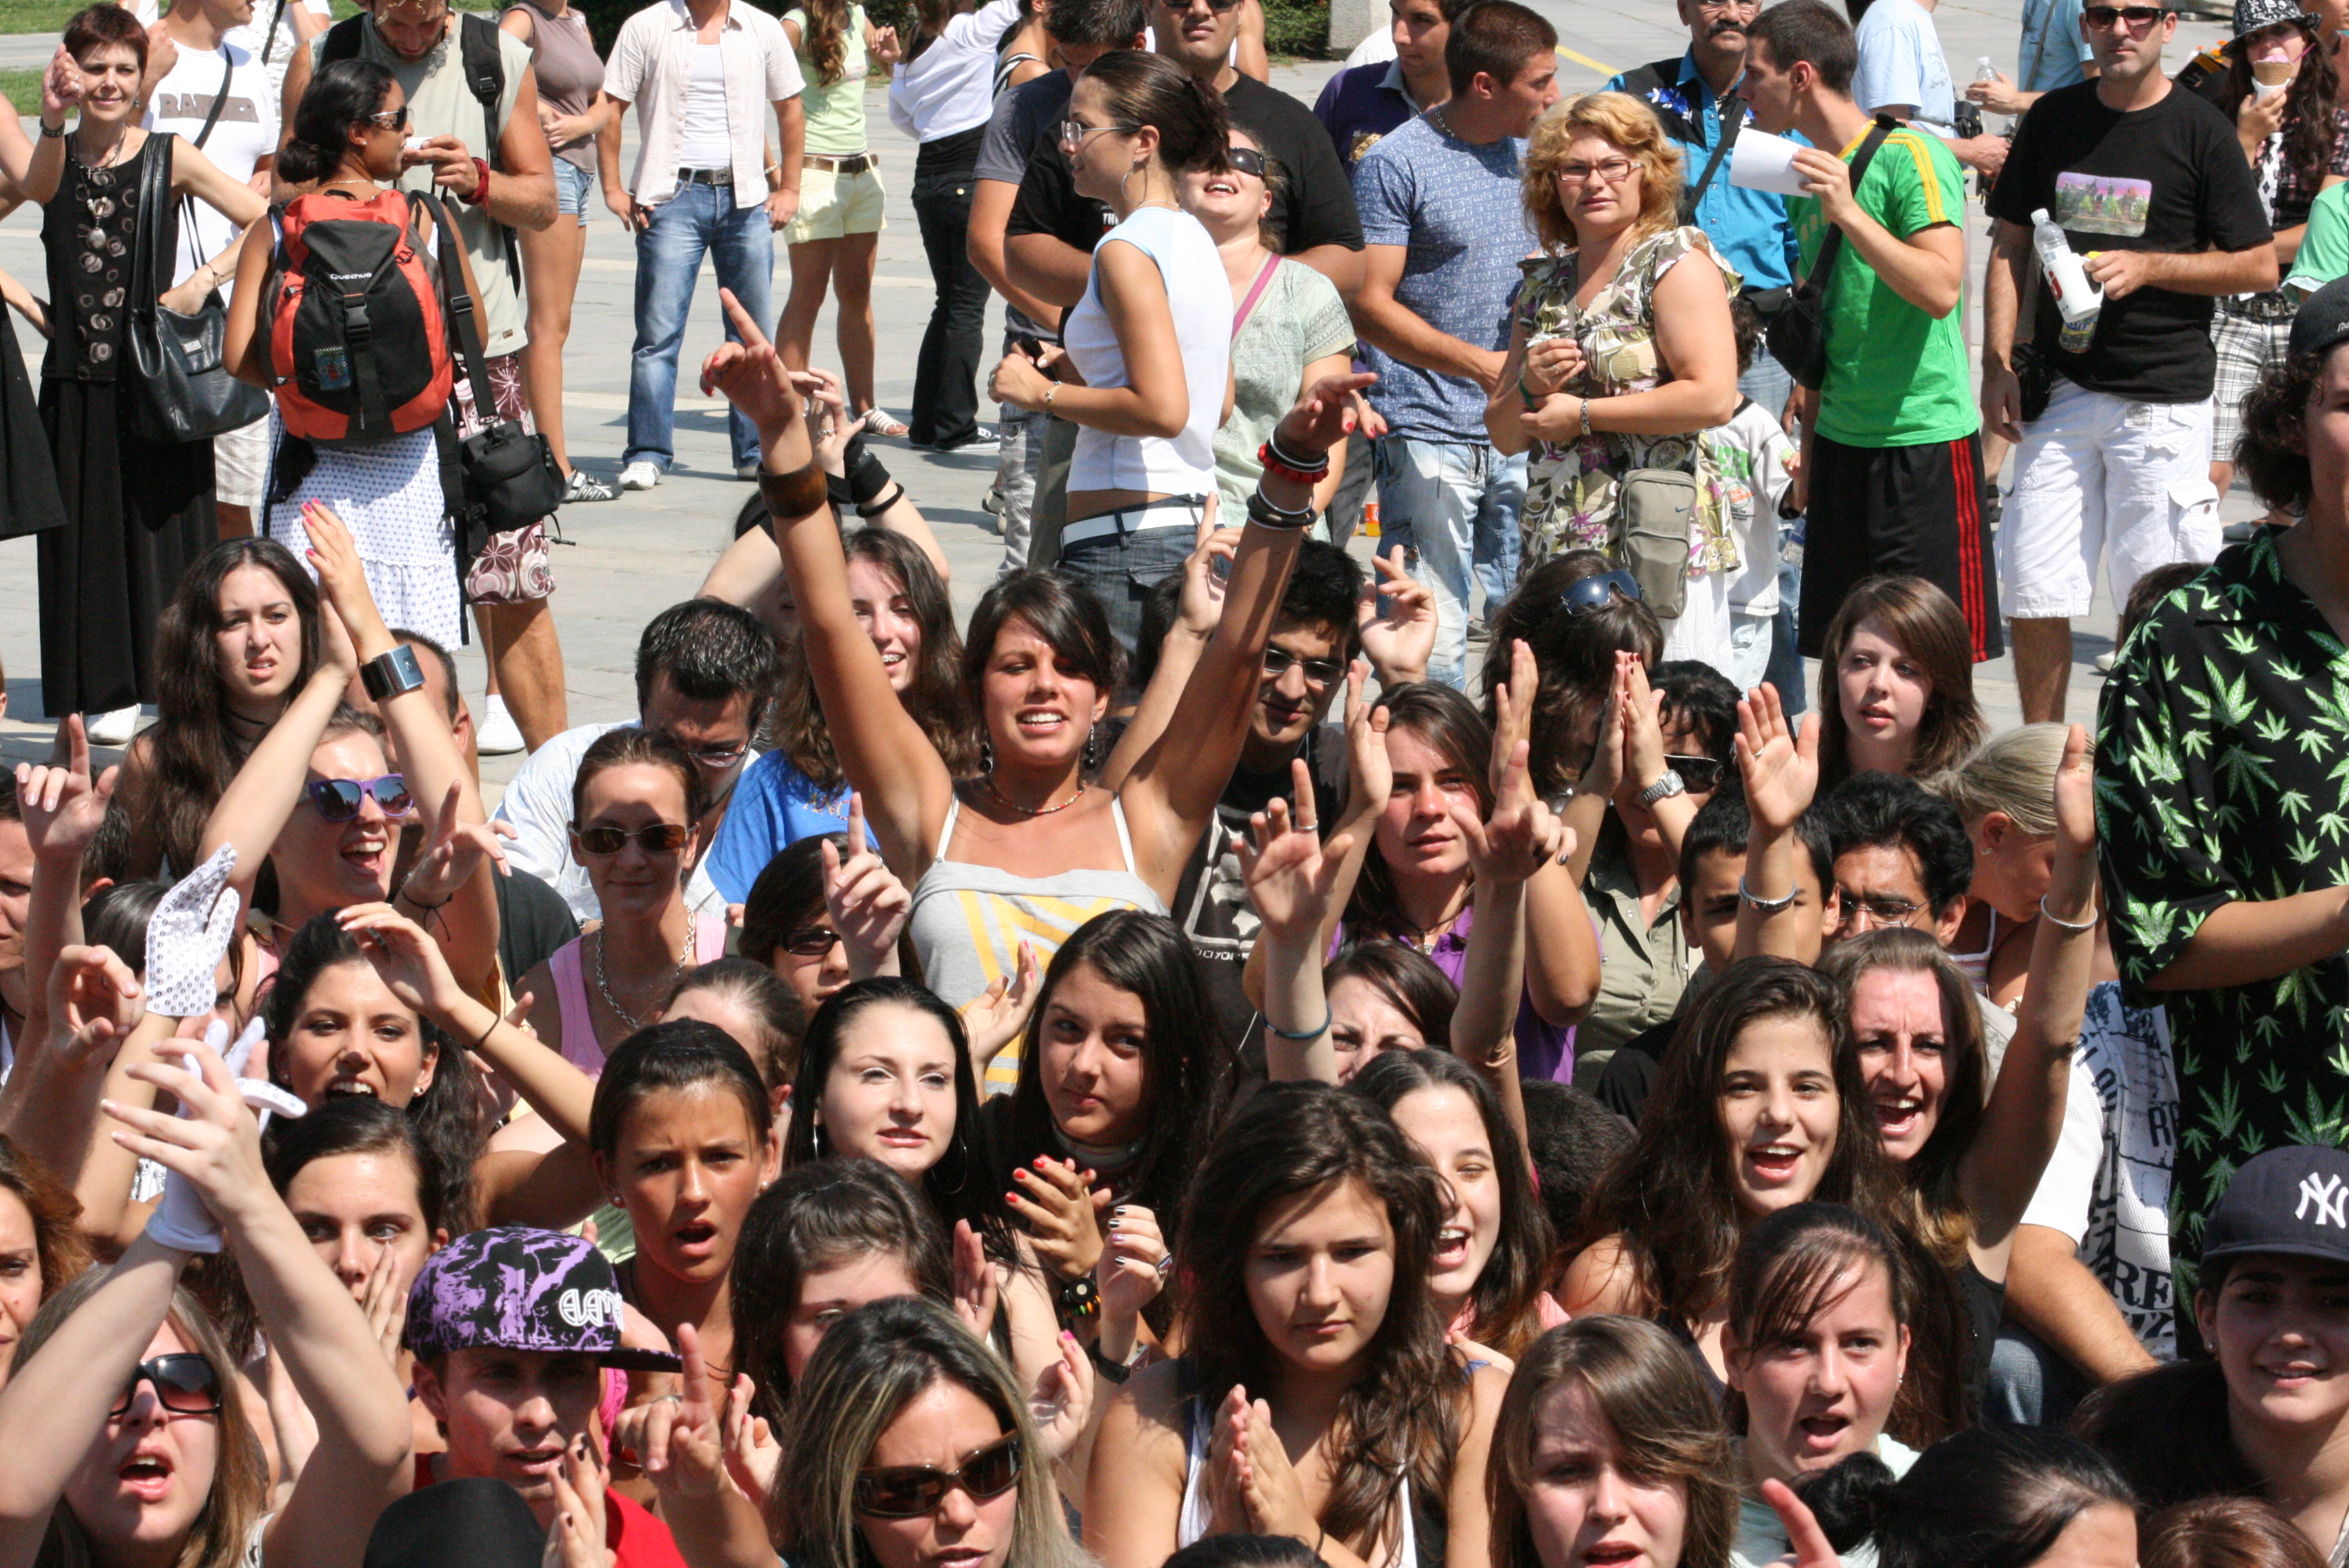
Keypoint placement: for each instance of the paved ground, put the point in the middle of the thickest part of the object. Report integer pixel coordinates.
(628, 558)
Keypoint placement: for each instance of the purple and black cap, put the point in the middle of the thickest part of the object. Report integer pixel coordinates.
(517, 1288)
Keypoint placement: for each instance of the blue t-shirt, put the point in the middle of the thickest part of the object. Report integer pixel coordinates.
(1900, 62)
(1457, 211)
(1748, 228)
(2053, 48)
(774, 807)
(1360, 106)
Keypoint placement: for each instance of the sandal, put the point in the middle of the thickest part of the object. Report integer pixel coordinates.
(879, 421)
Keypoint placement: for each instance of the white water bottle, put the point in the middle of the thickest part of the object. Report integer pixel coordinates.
(2076, 299)
(1985, 71)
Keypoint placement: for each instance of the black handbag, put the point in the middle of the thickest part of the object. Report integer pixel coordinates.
(1798, 336)
(185, 390)
(506, 474)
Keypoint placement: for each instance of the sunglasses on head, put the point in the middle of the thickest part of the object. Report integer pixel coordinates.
(653, 837)
(1595, 594)
(185, 1385)
(908, 1491)
(1699, 774)
(2109, 16)
(1246, 160)
(811, 942)
(338, 799)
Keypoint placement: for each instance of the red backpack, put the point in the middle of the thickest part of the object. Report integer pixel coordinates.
(358, 337)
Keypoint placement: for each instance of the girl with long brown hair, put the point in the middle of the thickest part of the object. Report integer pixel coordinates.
(1318, 1397)
(1896, 684)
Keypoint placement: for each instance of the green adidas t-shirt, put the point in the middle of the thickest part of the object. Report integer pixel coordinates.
(1896, 376)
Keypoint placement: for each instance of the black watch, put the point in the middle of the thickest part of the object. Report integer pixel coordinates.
(1116, 1371)
(1080, 1298)
(390, 675)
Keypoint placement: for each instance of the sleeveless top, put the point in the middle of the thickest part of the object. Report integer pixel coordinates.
(968, 921)
(1191, 1524)
(1199, 297)
(86, 230)
(1976, 966)
(580, 1048)
(570, 72)
(836, 110)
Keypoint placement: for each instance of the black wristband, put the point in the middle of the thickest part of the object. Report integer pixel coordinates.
(390, 675)
(836, 490)
(1288, 459)
(867, 475)
(875, 509)
(1116, 1371)
(1263, 513)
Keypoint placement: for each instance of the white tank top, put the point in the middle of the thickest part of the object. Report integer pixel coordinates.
(701, 141)
(1201, 298)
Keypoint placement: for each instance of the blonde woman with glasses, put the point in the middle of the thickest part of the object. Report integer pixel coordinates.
(1621, 357)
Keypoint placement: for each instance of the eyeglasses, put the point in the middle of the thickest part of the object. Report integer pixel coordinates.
(1320, 672)
(908, 1491)
(1246, 160)
(653, 837)
(811, 942)
(1217, 6)
(2104, 19)
(1614, 171)
(719, 756)
(1699, 774)
(1595, 594)
(185, 1385)
(391, 118)
(1074, 132)
(1879, 910)
(338, 799)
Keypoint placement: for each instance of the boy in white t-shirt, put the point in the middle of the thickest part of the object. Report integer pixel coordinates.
(270, 31)
(1756, 462)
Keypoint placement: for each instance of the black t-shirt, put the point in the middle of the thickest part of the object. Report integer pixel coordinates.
(1318, 208)
(1631, 1074)
(2171, 179)
(532, 921)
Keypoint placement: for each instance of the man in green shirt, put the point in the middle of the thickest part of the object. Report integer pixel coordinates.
(1891, 443)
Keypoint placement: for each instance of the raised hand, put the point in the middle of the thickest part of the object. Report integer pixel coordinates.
(1061, 1211)
(342, 578)
(1513, 713)
(214, 1143)
(866, 903)
(62, 806)
(407, 961)
(975, 1287)
(1521, 838)
(993, 1019)
(1290, 871)
(1808, 1544)
(1202, 604)
(679, 1441)
(576, 1538)
(62, 86)
(2076, 797)
(95, 1001)
(1323, 417)
(753, 1455)
(830, 429)
(1134, 1263)
(752, 376)
(1400, 639)
(1371, 775)
(1062, 1401)
(457, 850)
(1643, 726)
(1781, 766)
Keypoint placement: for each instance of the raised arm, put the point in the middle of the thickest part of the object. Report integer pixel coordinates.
(252, 810)
(1197, 612)
(1173, 787)
(2025, 1115)
(887, 757)
(49, 1107)
(36, 168)
(361, 1459)
(1291, 876)
(1781, 770)
(63, 808)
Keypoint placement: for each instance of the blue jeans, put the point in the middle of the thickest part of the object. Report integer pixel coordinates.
(1767, 383)
(2029, 1384)
(1123, 568)
(699, 220)
(1453, 507)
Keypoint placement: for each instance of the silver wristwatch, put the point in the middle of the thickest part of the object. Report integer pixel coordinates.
(1663, 788)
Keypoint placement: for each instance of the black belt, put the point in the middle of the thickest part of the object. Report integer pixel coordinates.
(705, 177)
(2276, 304)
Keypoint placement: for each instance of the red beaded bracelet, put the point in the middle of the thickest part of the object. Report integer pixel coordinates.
(1281, 469)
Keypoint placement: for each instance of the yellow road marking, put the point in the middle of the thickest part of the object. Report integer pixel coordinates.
(1586, 61)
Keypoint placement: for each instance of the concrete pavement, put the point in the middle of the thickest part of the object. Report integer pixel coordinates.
(625, 560)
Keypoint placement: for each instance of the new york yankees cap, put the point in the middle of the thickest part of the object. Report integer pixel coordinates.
(517, 1288)
(2292, 1200)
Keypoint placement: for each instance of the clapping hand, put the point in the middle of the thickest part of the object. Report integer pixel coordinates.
(1133, 1270)
(1061, 1211)
(1061, 1403)
(993, 1019)
(975, 1286)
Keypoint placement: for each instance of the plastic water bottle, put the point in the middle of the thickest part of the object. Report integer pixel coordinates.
(1985, 71)
(2076, 299)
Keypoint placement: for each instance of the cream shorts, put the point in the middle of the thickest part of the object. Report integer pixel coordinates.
(833, 206)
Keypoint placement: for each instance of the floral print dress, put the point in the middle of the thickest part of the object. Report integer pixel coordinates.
(1570, 486)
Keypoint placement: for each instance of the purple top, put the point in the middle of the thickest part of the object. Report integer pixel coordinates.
(1545, 1050)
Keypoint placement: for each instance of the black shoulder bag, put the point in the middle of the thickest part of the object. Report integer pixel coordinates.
(1798, 334)
(185, 390)
(506, 475)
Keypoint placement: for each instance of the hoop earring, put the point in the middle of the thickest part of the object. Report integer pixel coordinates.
(1120, 184)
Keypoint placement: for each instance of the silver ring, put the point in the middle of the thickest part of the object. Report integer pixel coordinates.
(1165, 1264)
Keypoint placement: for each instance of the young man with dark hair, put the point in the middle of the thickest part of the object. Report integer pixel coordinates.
(1361, 104)
(1571, 1139)
(1444, 216)
(705, 673)
(1025, 118)
(1891, 444)
(2153, 182)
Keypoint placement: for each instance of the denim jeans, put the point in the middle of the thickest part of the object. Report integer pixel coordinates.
(2030, 1385)
(1453, 507)
(1767, 382)
(945, 379)
(1122, 568)
(698, 219)
(1016, 467)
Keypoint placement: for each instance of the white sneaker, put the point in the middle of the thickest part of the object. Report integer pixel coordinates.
(746, 471)
(2104, 664)
(497, 735)
(642, 474)
(114, 728)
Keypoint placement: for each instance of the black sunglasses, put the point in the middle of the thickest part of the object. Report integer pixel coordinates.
(1217, 6)
(1320, 672)
(654, 839)
(811, 942)
(185, 1385)
(1246, 160)
(1699, 774)
(338, 799)
(908, 1491)
(1592, 594)
(2104, 17)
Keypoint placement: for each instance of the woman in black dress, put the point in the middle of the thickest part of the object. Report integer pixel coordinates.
(137, 511)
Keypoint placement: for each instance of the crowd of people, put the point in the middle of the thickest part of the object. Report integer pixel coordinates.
(1177, 1067)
